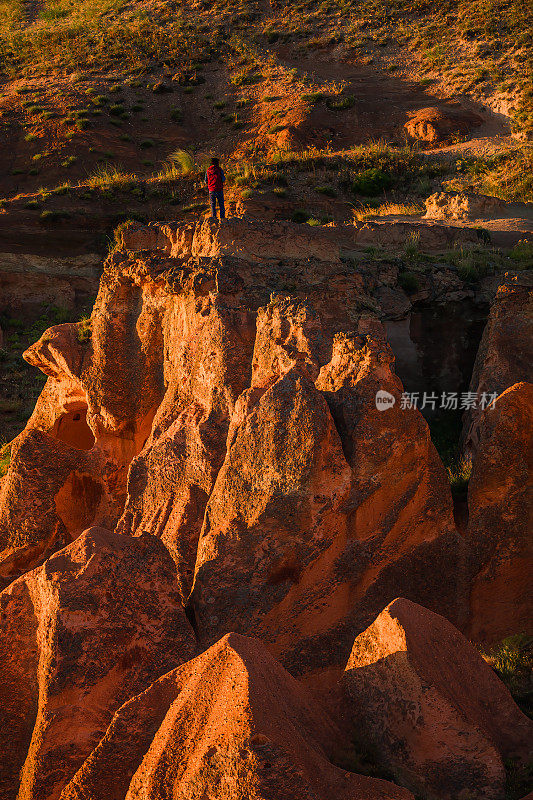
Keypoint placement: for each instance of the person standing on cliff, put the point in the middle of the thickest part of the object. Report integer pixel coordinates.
(215, 180)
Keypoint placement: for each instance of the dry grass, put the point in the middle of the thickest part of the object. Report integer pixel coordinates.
(108, 176)
(386, 210)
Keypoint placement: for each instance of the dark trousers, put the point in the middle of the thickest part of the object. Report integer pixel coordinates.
(218, 194)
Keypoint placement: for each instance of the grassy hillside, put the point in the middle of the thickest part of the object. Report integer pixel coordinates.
(483, 47)
(97, 96)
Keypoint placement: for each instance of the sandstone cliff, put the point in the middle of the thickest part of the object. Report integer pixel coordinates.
(97, 623)
(249, 426)
(217, 420)
(435, 711)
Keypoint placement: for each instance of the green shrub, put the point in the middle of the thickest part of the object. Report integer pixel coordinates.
(84, 330)
(519, 778)
(459, 472)
(194, 207)
(300, 216)
(409, 282)
(49, 217)
(411, 247)
(468, 272)
(341, 103)
(512, 659)
(329, 191)
(64, 188)
(371, 182)
(5, 459)
(522, 254)
(244, 78)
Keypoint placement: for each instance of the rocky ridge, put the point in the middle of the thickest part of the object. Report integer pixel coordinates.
(219, 414)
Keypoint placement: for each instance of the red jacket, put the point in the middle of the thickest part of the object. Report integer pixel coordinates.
(215, 178)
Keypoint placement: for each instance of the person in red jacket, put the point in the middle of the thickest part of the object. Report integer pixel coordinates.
(215, 180)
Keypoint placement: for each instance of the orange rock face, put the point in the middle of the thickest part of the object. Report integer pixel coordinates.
(249, 429)
(69, 467)
(500, 523)
(436, 125)
(231, 724)
(435, 711)
(505, 354)
(325, 506)
(233, 415)
(97, 623)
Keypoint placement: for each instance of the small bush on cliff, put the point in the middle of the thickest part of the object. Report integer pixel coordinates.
(409, 282)
(118, 233)
(512, 659)
(300, 216)
(522, 254)
(5, 459)
(459, 472)
(184, 160)
(107, 176)
(341, 103)
(371, 182)
(474, 263)
(411, 249)
(519, 779)
(84, 330)
(55, 215)
(328, 191)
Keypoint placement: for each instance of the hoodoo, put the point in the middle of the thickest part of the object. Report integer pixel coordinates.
(266, 400)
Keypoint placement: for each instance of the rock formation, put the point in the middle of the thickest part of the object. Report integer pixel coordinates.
(96, 624)
(186, 363)
(500, 522)
(433, 709)
(436, 125)
(30, 279)
(324, 504)
(69, 466)
(464, 205)
(232, 724)
(232, 414)
(505, 354)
